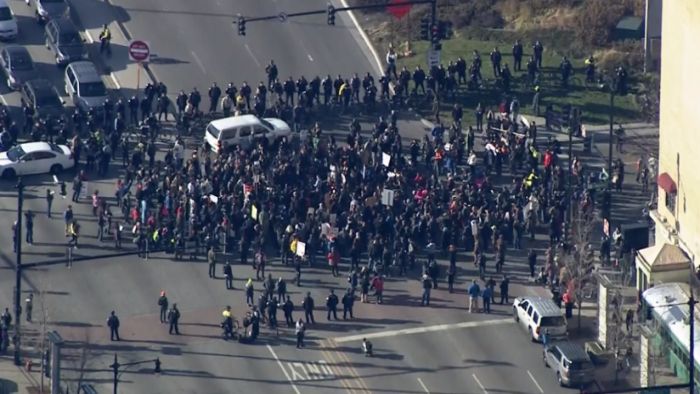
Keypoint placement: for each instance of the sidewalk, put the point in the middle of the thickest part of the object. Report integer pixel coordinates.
(14, 379)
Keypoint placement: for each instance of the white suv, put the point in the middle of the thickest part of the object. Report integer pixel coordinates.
(537, 314)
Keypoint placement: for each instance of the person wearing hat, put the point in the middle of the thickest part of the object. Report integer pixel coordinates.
(163, 304)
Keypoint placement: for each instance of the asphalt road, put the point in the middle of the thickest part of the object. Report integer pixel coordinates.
(195, 44)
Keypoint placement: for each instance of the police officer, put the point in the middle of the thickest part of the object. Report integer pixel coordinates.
(348, 302)
(105, 38)
(517, 55)
(173, 319)
(288, 308)
(113, 324)
(332, 305)
(214, 94)
(308, 305)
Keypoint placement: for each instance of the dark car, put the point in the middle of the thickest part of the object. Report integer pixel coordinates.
(40, 95)
(47, 10)
(17, 65)
(63, 38)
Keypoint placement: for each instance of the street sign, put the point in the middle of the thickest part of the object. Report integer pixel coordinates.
(282, 17)
(433, 58)
(139, 51)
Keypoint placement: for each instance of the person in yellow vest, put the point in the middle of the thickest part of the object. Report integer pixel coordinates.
(105, 38)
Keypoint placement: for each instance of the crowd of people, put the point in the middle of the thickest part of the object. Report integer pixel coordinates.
(371, 206)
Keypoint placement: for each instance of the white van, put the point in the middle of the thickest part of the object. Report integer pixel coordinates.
(537, 314)
(243, 130)
(8, 22)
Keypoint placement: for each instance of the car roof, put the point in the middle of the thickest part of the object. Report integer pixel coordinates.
(544, 305)
(16, 50)
(235, 121)
(41, 87)
(572, 351)
(64, 24)
(36, 147)
(85, 69)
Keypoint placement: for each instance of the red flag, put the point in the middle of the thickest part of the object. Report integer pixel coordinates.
(398, 11)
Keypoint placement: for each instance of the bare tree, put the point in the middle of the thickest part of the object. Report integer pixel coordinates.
(577, 264)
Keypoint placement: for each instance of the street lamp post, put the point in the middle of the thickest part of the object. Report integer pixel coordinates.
(116, 365)
(18, 272)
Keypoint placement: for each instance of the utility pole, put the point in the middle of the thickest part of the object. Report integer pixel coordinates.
(18, 272)
(115, 369)
(691, 305)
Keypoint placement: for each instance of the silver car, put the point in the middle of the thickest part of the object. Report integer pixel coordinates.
(572, 365)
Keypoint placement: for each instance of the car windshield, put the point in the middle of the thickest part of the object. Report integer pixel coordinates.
(48, 100)
(5, 14)
(552, 321)
(21, 62)
(70, 38)
(56, 148)
(15, 153)
(92, 89)
(267, 124)
(213, 131)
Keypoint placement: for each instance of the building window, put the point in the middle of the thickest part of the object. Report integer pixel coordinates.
(671, 202)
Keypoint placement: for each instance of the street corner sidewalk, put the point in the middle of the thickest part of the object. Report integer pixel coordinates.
(120, 71)
(14, 379)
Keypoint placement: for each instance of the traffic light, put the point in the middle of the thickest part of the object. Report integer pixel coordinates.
(445, 30)
(435, 34)
(425, 29)
(241, 25)
(331, 15)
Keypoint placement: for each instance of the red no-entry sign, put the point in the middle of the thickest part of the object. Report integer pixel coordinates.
(139, 51)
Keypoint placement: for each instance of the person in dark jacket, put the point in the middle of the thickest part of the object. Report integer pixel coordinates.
(288, 308)
(163, 304)
(348, 302)
(173, 319)
(332, 305)
(113, 324)
(308, 305)
(228, 274)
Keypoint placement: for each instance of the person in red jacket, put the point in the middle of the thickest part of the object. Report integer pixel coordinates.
(334, 260)
(378, 286)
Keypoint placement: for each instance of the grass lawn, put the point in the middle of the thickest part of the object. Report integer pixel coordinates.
(593, 102)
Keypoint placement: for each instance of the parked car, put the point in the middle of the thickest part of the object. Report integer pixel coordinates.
(572, 365)
(17, 65)
(47, 10)
(540, 314)
(243, 130)
(8, 22)
(43, 98)
(84, 85)
(63, 39)
(35, 158)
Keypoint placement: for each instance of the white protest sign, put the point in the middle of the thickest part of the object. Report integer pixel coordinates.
(301, 249)
(388, 197)
(386, 159)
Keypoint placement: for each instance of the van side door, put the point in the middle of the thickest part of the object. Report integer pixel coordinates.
(71, 84)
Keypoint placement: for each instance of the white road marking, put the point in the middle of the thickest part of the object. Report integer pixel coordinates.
(380, 65)
(535, 382)
(115, 80)
(198, 61)
(425, 388)
(89, 36)
(250, 52)
(294, 386)
(55, 179)
(420, 330)
(4, 101)
(310, 58)
(479, 383)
